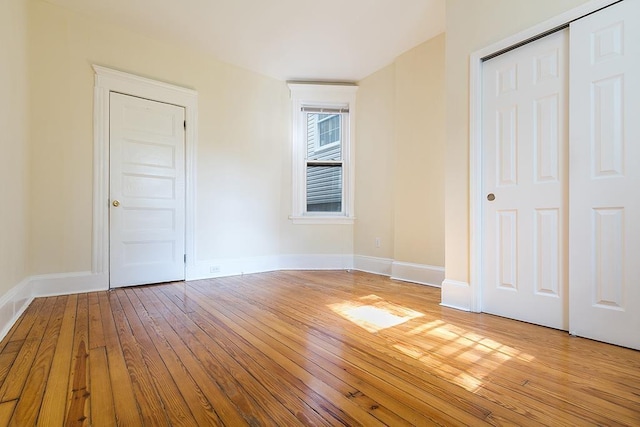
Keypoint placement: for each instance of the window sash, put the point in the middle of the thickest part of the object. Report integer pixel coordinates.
(330, 193)
(333, 150)
(324, 185)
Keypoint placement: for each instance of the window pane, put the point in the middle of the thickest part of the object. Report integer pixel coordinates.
(328, 129)
(323, 136)
(324, 188)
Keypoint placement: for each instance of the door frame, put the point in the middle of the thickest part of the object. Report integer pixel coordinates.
(106, 81)
(476, 196)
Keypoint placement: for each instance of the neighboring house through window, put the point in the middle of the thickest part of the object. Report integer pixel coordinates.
(328, 129)
(323, 132)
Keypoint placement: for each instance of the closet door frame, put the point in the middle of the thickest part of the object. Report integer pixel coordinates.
(476, 195)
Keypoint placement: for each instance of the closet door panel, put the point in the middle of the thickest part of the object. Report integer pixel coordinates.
(604, 206)
(524, 162)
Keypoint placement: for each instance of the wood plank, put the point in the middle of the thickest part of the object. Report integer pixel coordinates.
(301, 348)
(315, 299)
(498, 398)
(145, 394)
(96, 332)
(76, 416)
(567, 410)
(20, 330)
(177, 410)
(6, 411)
(55, 396)
(277, 349)
(176, 373)
(103, 412)
(211, 356)
(201, 407)
(124, 401)
(77, 387)
(363, 411)
(276, 386)
(6, 361)
(29, 404)
(229, 411)
(11, 388)
(368, 383)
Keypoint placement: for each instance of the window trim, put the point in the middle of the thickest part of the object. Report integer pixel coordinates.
(327, 96)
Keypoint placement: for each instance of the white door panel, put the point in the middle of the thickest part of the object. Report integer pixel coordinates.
(147, 183)
(524, 167)
(605, 175)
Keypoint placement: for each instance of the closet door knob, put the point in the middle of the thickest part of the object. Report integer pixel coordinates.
(491, 197)
(116, 203)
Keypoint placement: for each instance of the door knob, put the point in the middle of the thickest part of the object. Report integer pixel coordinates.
(116, 203)
(491, 197)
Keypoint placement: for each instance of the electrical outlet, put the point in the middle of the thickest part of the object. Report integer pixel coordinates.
(377, 242)
(214, 269)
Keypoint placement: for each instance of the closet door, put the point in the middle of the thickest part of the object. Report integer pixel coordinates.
(605, 175)
(525, 144)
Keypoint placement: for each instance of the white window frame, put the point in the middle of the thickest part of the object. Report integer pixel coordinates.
(328, 95)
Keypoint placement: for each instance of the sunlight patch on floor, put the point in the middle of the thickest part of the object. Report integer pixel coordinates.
(434, 342)
(373, 313)
(469, 339)
(440, 342)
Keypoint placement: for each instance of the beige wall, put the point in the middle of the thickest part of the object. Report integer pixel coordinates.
(13, 143)
(243, 158)
(400, 158)
(374, 163)
(419, 155)
(244, 171)
(472, 25)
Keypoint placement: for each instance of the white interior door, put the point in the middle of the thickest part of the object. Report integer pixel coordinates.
(605, 175)
(147, 191)
(525, 144)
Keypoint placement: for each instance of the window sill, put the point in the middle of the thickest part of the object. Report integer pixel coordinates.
(317, 219)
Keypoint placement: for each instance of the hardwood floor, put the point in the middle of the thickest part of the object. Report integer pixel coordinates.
(301, 348)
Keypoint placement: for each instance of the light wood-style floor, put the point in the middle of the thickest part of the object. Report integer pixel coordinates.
(301, 348)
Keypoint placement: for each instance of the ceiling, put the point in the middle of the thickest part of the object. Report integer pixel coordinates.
(340, 40)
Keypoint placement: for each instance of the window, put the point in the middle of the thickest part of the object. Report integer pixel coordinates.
(323, 132)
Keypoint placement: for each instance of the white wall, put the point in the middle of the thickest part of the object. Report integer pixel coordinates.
(243, 155)
(14, 164)
(14, 143)
(472, 25)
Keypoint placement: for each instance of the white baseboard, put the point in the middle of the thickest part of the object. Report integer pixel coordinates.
(369, 264)
(417, 273)
(456, 295)
(16, 300)
(49, 285)
(225, 267)
(316, 262)
(12, 305)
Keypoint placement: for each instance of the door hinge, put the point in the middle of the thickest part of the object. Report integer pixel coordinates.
(185, 258)
(185, 125)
